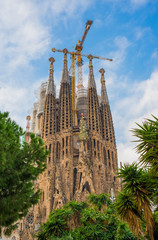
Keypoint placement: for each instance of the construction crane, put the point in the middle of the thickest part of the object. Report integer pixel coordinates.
(78, 49)
(73, 57)
(73, 87)
(82, 54)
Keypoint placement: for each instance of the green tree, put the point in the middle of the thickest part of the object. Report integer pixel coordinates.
(20, 165)
(140, 181)
(94, 219)
(126, 207)
(134, 202)
(147, 136)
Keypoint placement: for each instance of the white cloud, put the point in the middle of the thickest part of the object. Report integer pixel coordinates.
(122, 44)
(67, 8)
(23, 35)
(141, 32)
(18, 101)
(140, 104)
(155, 54)
(138, 3)
(14, 100)
(126, 153)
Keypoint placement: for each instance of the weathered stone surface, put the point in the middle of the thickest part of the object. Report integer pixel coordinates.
(74, 168)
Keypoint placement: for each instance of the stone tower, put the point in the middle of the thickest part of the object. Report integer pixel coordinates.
(82, 158)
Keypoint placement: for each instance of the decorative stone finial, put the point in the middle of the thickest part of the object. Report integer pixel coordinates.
(65, 51)
(102, 71)
(51, 60)
(90, 57)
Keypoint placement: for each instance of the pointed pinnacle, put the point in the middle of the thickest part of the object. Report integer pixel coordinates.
(104, 96)
(65, 77)
(51, 87)
(91, 81)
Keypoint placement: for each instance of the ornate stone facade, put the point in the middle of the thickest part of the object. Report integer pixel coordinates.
(82, 159)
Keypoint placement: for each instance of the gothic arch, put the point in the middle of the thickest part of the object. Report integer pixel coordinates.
(87, 187)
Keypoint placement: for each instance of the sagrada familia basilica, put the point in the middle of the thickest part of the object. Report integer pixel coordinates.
(81, 141)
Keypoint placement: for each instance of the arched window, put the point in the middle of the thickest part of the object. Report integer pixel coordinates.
(87, 187)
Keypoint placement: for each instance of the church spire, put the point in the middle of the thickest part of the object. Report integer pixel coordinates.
(93, 114)
(65, 76)
(49, 112)
(91, 81)
(65, 107)
(51, 86)
(104, 96)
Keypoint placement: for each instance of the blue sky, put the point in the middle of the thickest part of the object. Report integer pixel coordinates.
(125, 30)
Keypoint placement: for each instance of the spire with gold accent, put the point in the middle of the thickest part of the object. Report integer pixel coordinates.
(91, 81)
(51, 86)
(107, 123)
(65, 75)
(104, 96)
(65, 106)
(93, 114)
(49, 112)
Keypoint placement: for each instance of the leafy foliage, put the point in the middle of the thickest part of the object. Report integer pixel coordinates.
(147, 135)
(20, 166)
(140, 182)
(86, 220)
(133, 203)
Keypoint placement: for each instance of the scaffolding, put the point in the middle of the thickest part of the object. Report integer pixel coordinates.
(43, 88)
(34, 127)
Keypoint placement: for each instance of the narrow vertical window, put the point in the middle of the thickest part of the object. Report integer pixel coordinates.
(67, 141)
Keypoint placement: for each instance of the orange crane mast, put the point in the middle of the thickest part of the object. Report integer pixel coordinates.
(78, 49)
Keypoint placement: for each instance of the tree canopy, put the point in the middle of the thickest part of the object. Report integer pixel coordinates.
(139, 194)
(20, 165)
(94, 219)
